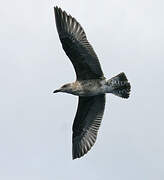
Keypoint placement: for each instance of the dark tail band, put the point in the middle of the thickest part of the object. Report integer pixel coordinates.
(120, 85)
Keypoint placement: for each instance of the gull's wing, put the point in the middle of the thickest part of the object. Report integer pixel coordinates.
(77, 47)
(86, 124)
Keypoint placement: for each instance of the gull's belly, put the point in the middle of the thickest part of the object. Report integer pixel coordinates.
(89, 92)
(91, 89)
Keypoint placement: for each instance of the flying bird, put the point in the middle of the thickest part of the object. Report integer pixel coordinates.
(90, 85)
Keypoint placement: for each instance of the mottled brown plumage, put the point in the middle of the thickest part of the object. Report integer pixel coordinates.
(90, 84)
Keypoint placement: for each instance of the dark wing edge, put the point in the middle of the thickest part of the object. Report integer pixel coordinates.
(77, 47)
(86, 124)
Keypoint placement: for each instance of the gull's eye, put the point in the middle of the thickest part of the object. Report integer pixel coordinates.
(64, 86)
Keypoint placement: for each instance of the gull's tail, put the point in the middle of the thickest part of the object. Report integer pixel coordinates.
(119, 85)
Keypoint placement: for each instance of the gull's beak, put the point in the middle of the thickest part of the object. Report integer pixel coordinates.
(56, 91)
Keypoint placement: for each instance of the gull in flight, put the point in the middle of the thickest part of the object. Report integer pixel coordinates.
(90, 85)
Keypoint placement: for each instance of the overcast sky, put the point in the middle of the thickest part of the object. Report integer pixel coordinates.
(36, 125)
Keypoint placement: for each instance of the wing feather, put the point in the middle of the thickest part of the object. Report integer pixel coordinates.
(86, 124)
(77, 47)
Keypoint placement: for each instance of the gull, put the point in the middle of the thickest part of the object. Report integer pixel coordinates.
(90, 85)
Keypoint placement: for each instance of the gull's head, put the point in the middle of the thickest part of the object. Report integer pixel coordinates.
(65, 88)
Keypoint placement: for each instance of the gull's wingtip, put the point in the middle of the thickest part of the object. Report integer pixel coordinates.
(57, 8)
(58, 11)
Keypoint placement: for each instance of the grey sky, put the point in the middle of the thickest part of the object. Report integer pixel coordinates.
(36, 125)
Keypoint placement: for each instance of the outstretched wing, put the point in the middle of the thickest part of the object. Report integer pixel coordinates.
(77, 47)
(86, 124)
